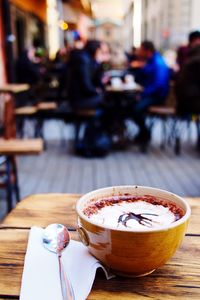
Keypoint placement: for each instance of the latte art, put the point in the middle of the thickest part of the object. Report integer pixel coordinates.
(129, 212)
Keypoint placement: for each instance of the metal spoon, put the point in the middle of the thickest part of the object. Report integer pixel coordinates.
(56, 238)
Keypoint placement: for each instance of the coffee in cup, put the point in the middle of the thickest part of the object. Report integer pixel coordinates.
(130, 212)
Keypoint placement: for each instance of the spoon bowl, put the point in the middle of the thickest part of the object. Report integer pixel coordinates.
(56, 238)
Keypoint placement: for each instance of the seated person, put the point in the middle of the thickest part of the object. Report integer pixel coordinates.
(183, 52)
(188, 85)
(27, 70)
(83, 90)
(153, 74)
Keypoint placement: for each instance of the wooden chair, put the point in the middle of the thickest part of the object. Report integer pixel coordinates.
(37, 114)
(166, 113)
(10, 146)
(173, 124)
(51, 110)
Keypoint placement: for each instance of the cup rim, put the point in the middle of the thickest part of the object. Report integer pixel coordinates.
(145, 230)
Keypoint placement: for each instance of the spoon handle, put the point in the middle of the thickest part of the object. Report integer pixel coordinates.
(66, 287)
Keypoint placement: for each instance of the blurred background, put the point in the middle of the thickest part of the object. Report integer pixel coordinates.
(123, 24)
(112, 88)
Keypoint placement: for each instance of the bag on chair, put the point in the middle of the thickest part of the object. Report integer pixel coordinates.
(95, 143)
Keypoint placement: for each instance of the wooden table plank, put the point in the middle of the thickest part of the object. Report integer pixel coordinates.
(194, 224)
(47, 105)
(33, 211)
(124, 88)
(14, 87)
(21, 146)
(179, 278)
(26, 110)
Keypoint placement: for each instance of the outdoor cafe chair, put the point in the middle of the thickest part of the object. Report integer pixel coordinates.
(173, 124)
(10, 146)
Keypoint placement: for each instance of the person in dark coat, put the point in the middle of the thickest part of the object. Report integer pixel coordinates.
(188, 84)
(26, 70)
(84, 86)
(85, 92)
(183, 52)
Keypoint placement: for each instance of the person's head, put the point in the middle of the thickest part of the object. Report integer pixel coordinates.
(31, 53)
(93, 48)
(194, 38)
(78, 42)
(133, 50)
(105, 52)
(146, 50)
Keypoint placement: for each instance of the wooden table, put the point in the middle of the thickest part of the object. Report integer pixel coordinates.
(20, 146)
(178, 279)
(123, 88)
(14, 88)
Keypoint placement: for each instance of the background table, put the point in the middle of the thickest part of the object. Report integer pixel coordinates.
(178, 279)
(14, 88)
(125, 88)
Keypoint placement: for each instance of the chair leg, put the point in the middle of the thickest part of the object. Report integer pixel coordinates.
(16, 182)
(177, 147)
(77, 132)
(9, 184)
(164, 135)
(177, 137)
(39, 131)
(198, 134)
(20, 127)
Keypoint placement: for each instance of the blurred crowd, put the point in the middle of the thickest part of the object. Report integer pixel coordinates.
(82, 73)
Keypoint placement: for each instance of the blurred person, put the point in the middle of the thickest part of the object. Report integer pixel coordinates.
(188, 84)
(84, 87)
(105, 53)
(79, 43)
(154, 76)
(170, 57)
(118, 57)
(103, 64)
(183, 51)
(30, 71)
(27, 69)
(131, 55)
(85, 92)
(59, 68)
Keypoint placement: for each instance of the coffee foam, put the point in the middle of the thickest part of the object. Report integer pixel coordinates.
(133, 212)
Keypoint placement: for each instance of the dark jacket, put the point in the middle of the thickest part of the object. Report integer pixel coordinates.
(27, 71)
(188, 84)
(82, 90)
(154, 77)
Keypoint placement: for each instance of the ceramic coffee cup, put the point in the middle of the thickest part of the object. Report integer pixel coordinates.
(131, 252)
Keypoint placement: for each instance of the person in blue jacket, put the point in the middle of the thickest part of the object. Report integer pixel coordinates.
(153, 74)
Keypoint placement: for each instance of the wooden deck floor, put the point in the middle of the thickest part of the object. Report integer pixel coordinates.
(58, 170)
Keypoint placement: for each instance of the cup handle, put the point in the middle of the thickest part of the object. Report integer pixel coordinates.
(83, 236)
